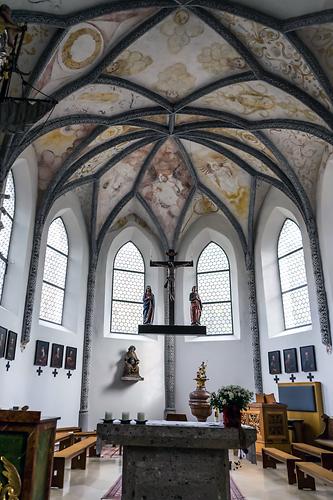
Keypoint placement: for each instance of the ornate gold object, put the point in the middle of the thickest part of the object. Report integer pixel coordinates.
(12, 489)
(201, 376)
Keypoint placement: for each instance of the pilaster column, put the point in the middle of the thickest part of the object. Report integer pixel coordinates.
(87, 342)
(32, 281)
(254, 328)
(169, 364)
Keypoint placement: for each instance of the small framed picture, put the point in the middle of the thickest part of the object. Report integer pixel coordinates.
(41, 353)
(274, 362)
(290, 360)
(70, 358)
(3, 338)
(11, 345)
(308, 358)
(57, 355)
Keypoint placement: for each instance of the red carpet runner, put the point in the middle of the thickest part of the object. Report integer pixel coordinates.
(114, 492)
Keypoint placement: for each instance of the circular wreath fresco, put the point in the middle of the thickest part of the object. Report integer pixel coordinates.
(81, 48)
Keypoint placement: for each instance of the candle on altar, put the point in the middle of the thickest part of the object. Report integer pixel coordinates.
(140, 416)
(125, 415)
(108, 415)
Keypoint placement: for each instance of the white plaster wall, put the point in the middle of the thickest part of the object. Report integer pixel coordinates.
(53, 396)
(229, 358)
(107, 392)
(275, 209)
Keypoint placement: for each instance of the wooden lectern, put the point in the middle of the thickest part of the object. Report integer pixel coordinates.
(27, 443)
(271, 424)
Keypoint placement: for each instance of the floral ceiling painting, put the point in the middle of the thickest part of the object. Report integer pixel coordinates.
(176, 112)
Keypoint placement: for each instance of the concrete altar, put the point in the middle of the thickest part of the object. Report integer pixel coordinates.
(175, 460)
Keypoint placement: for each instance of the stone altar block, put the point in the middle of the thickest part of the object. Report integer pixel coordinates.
(175, 460)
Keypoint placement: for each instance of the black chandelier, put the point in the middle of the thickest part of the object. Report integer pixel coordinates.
(16, 113)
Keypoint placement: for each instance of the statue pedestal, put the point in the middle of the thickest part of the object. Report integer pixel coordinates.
(132, 379)
(163, 460)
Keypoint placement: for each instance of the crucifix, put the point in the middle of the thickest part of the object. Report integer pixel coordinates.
(171, 264)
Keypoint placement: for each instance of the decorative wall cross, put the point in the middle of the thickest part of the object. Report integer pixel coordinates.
(69, 374)
(292, 378)
(55, 372)
(39, 371)
(7, 366)
(310, 377)
(276, 379)
(171, 264)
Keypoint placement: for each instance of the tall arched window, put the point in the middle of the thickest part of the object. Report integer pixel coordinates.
(214, 287)
(294, 287)
(55, 273)
(127, 290)
(7, 219)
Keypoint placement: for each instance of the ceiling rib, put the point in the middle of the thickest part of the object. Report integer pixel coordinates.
(155, 220)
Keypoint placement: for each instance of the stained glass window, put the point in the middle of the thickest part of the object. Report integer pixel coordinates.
(55, 272)
(214, 287)
(127, 290)
(7, 219)
(294, 287)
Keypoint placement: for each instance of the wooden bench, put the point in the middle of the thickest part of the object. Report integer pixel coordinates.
(68, 429)
(271, 456)
(78, 436)
(326, 438)
(77, 453)
(304, 450)
(307, 472)
(64, 439)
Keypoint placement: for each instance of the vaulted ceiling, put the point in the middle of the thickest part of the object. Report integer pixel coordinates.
(167, 112)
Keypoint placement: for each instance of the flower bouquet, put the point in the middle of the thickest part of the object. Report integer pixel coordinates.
(230, 400)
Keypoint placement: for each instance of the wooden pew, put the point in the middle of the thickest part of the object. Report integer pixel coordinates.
(78, 436)
(326, 438)
(68, 429)
(77, 453)
(304, 450)
(64, 439)
(271, 456)
(307, 472)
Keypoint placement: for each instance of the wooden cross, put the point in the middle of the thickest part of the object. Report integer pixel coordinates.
(292, 378)
(7, 366)
(171, 264)
(69, 374)
(55, 372)
(310, 377)
(39, 371)
(276, 379)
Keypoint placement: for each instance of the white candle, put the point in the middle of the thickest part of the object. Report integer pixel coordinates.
(108, 415)
(125, 415)
(140, 416)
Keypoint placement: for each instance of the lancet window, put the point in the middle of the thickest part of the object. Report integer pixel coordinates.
(293, 281)
(7, 221)
(127, 289)
(55, 273)
(214, 287)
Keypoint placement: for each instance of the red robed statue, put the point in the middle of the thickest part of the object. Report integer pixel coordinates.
(196, 306)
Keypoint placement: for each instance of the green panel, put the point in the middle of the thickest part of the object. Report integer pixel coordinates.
(13, 446)
(42, 462)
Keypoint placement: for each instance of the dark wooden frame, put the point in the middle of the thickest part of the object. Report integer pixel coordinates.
(39, 345)
(54, 364)
(11, 335)
(68, 349)
(293, 351)
(311, 349)
(3, 339)
(279, 369)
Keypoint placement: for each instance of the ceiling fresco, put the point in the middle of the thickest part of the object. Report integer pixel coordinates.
(175, 112)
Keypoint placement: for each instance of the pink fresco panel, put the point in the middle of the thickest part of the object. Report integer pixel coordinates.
(166, 186)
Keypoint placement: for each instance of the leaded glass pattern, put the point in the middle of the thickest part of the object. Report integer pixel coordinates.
(7, 219)
(214, 287)
(294, 287)
(127, 290)
(55, 272)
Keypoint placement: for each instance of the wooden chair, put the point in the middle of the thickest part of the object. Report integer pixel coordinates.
(176, 417)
